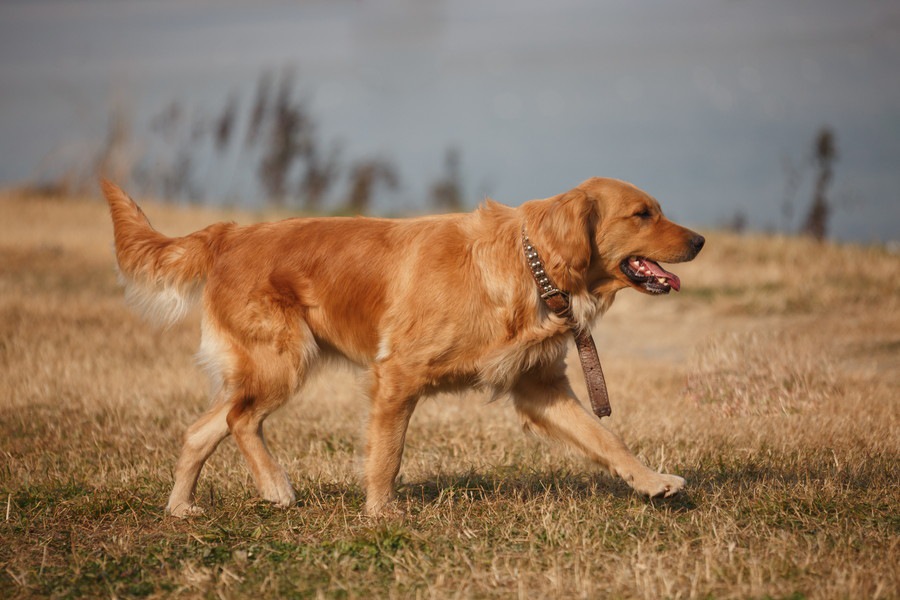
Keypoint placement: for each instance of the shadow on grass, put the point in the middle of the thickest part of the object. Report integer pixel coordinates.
(716, 473)
(515, 484)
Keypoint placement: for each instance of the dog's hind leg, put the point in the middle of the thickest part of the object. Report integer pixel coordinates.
(549, 407)
(268, 375)
(200, 442)
(257, 374)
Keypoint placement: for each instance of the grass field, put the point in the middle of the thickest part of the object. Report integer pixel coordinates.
(770, 383)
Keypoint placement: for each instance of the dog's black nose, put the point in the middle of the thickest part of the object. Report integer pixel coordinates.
(697, 242)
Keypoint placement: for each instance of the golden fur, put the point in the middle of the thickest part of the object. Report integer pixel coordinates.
(424, 304)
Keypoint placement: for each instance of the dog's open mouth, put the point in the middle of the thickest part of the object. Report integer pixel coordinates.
(648, 275)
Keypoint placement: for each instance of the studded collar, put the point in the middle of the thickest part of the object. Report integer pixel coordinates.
(557, 300)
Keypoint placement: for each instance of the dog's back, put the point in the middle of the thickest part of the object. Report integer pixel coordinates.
(349, 280)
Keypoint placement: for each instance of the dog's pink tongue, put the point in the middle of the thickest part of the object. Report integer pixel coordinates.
(658, 271)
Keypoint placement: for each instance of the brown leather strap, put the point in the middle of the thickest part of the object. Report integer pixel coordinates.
(593, 373)
(558, 302)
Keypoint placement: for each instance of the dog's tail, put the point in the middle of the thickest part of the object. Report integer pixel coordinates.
(162, 276)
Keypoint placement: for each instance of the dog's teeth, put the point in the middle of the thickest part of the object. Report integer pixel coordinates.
(661, 279)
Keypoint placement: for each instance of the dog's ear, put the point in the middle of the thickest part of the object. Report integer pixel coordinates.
(566, 230)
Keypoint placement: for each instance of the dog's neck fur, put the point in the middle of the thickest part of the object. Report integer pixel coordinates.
(591, 289)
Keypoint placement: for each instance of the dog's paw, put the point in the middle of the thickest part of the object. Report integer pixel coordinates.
(280, 493)
(658, 485)
(184, 510)
(387, 511)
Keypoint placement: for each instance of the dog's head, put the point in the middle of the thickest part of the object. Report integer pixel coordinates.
(606, 234)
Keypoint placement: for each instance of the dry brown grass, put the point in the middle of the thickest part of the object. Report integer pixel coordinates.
(769, 383)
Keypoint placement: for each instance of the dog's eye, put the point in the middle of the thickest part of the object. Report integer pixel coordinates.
(644, 213)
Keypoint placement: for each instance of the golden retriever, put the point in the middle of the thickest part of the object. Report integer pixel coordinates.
(424, 304)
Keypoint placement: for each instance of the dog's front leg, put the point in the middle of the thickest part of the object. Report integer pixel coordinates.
(549, 407)
(393, 403)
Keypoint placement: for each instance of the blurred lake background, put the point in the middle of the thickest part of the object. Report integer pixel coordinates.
(712, 106)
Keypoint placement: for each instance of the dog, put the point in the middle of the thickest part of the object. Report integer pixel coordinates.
(424, 304)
